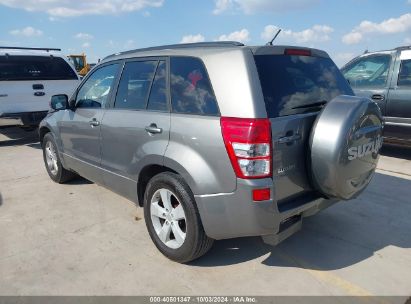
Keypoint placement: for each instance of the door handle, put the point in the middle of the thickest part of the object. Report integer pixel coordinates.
(378, 97)
(94, 122)
(288, 139)
(38, 86)
(153, 129)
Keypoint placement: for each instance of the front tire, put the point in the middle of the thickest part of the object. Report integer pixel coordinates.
(172, 219)
(51, 158)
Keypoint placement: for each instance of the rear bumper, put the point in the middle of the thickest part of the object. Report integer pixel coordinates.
(232, 215)
(22, 119)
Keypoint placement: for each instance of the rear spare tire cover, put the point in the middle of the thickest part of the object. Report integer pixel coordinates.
(345, 143)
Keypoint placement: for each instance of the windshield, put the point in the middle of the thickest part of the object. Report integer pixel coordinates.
(298, 84)
(35, 68)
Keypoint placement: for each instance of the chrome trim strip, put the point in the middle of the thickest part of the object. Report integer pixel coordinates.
(97, 167)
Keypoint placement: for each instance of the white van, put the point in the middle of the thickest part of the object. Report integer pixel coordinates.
(28, 79)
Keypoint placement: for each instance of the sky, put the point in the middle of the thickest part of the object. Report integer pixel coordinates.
(343, 28)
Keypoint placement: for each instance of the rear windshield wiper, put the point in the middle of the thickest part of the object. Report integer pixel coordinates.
(311, 105)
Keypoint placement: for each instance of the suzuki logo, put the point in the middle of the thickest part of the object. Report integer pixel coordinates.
(366, 149)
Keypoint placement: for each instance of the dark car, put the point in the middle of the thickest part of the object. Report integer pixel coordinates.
(385, 77)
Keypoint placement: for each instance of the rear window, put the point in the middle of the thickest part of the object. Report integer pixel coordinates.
(298, 84)
(35, 68)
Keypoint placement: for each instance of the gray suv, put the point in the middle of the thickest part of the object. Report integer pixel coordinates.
(385, 76)
(216, 140)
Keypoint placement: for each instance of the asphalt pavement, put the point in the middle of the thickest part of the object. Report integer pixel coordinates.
(81, 239)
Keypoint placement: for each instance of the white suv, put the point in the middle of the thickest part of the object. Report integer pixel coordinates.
(28, 78)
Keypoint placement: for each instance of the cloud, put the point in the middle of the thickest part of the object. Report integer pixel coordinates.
(254, 6)
(389, 26)
(317, 33)
(352, 38)
(118, 46)
(342, 58)
(27, 32)
(129, 44)
(83, 36)
(86, 45)
(192, 38)
(64, 8)
(241, 36)
(223, 5)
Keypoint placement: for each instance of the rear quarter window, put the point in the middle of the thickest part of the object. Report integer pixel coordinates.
(291, 84)
(35, 68)
(191, 91)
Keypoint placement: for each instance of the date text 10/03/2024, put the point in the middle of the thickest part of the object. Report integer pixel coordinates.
(204, 299)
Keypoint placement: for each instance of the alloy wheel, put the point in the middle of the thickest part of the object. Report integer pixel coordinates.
(168, 218)
(51, 158)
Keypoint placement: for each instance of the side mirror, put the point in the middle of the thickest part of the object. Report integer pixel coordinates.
(59, 102)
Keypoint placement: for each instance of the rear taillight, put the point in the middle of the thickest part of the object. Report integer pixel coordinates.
(248, 144)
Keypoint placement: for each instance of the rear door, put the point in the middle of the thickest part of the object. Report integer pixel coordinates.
(80, 127)
(295, 88)
(135, 130)
(398, 109)
(28, 82)
(370, 76)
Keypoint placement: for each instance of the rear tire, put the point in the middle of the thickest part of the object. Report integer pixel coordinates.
(172, 219)
(51, 158)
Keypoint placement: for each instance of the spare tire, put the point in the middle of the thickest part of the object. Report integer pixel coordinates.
(345, 143)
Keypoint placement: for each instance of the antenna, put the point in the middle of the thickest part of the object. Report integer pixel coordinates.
(272, 40)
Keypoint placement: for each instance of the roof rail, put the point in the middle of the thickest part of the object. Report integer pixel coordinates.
(28, 48)
(181, 46)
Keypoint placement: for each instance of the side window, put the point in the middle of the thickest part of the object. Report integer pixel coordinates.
(191, 91)
(135, 85)
(369, 71)
(404, 77)
(158, 97)
(96, 90)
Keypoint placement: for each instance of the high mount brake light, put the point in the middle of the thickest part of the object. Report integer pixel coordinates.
(249, 146)
(297, 52)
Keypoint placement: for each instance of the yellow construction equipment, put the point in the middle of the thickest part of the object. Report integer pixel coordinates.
(80, 63)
